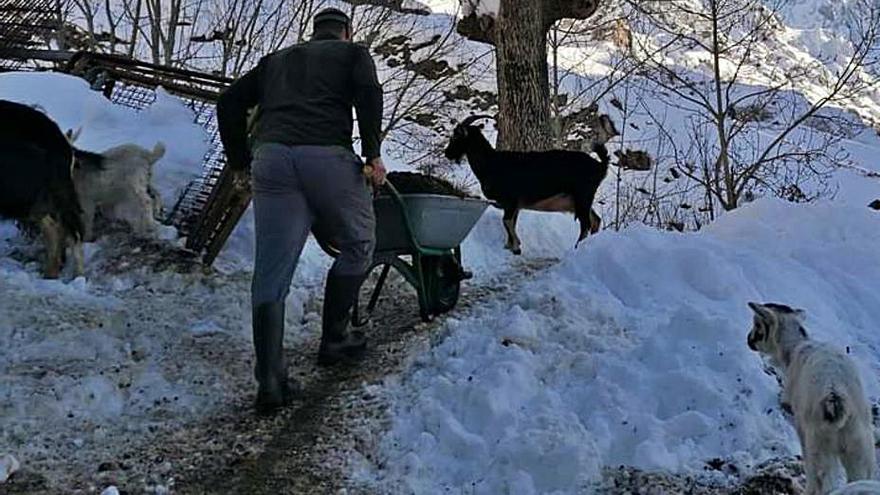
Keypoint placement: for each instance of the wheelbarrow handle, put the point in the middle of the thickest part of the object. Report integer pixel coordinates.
(401, 204)
(394, 192)
(368, 172)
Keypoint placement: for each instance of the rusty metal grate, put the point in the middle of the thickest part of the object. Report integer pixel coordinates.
(208, 210)
(25, 24)
(205, 213)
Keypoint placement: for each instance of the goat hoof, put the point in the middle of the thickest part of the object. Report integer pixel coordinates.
(517, 252)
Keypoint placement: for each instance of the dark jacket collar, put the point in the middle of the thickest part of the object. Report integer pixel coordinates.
(325, 37)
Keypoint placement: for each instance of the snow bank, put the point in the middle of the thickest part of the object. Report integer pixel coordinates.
(543, 236)
(442, 6)
(632, 351)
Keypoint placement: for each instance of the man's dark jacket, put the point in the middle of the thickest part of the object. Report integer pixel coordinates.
(305, 94)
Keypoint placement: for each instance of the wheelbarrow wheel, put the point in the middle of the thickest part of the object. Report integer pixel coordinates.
(443, 277)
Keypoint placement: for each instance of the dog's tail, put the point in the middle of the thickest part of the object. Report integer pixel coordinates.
(835, 409)
(157, 153)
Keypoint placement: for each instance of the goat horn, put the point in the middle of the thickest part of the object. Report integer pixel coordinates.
(473, 118)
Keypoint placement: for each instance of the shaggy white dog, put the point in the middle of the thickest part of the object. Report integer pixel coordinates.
(823, 389)
(118, 181)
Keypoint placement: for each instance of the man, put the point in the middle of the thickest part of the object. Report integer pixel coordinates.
(305, 178)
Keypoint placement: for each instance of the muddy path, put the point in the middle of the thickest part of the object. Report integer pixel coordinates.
(309, 447)
(314, 446)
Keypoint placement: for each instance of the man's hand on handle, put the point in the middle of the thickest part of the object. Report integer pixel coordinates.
(375, 171)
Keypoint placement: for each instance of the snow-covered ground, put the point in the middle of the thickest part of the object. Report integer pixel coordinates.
(630, 351)
(92, 367)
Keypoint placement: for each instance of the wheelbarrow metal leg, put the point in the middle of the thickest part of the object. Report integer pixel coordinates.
(356, 319)
(415, 277)
(426, 307)
(463, 274)
(374, 298)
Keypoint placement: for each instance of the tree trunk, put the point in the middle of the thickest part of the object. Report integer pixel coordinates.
(135, 27)
(170, 41)
(523, 85)
(723, 172)
(111, 23)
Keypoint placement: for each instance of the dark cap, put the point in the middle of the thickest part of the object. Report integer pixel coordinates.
(332, 15)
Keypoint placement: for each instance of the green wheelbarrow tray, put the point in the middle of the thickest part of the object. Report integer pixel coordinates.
(427, 228)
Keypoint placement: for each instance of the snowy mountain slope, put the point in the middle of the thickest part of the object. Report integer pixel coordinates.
(833, 15)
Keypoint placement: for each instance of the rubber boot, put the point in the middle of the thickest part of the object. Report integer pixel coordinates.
(274, 389)
(338, 344)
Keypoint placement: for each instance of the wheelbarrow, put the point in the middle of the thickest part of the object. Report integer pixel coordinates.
(428, 229)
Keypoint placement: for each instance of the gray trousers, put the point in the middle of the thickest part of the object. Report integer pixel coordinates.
(296, 189)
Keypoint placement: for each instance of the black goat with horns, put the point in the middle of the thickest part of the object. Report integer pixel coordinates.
(552, 181)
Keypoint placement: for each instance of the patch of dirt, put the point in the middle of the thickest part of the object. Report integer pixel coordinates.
(776, 477)
(124, 252)
(156, 255)
(399, 50)
(478, 101)
(310, 448)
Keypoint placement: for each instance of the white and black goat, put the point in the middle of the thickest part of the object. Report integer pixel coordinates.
(118, 181)
(552, 181)
(824, 390)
